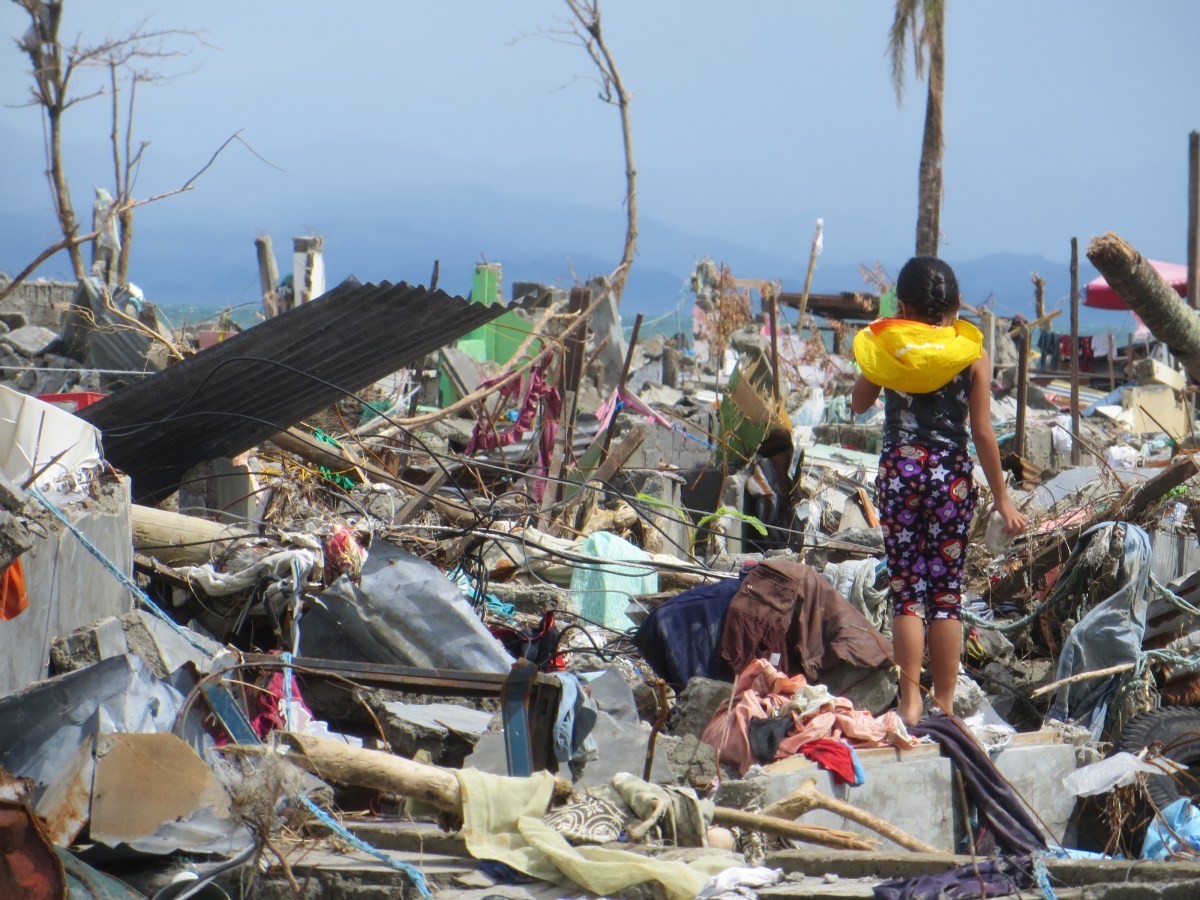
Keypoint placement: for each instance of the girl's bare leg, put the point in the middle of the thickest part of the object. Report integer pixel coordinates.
(945, 653)
(908, 642)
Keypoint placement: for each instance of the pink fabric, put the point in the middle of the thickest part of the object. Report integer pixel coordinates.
(761, 690)
(540, 393)
(631, 401)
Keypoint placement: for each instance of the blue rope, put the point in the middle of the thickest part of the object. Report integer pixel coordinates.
(141, 596)
(358, 843)
(1042, 878)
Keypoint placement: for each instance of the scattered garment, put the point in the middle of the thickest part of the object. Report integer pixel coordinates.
(268, 706)
(673, 811)
(680, 638)
(1049, 350)
(760, 615)
(573, 723)
(766, 734)
(1003, 816)
(587, 820)
(987, 878)
(838, 757)
(829, 631)
(540, 395)
(13, 599)
(855, 580)
(502, 821)
(762, 691)
(786, 608)
(739, 881)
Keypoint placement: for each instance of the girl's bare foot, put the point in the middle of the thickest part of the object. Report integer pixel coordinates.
(910, 712)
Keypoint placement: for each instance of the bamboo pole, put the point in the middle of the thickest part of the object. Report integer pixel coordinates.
(807, 797)
(810, 834)
(1112, 352)
(1193, 232)
(1082, 676)
(1022, 390)
(1074, 349)
(817, 244)
(773, 313)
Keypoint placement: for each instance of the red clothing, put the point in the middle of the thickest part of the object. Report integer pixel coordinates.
(13, 599)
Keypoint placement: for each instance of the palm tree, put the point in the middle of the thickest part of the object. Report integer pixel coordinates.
(924, 20)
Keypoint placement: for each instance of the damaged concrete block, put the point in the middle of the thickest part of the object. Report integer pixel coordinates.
(693, 761)
(30, 340)
(67, 586)
(696, 705)
(448, 732)
(1151, 371)
(869, 689)
(137, 633)
(742, 793)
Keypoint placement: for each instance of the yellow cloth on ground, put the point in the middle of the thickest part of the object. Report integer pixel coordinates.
(914, 357)
(502, 821)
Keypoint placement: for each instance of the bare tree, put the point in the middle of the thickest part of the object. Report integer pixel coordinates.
(585, 27)
(57, 68)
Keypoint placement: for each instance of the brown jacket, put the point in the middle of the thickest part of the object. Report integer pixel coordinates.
(786, 607)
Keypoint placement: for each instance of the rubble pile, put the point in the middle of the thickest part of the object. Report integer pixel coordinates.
(396, 594)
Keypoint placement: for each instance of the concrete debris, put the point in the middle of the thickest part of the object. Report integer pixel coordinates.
(530, 591)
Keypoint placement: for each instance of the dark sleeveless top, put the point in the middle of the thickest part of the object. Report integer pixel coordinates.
(936, 419)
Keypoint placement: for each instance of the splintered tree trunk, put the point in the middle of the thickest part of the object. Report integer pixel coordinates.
(1165, 313)
(62, 193)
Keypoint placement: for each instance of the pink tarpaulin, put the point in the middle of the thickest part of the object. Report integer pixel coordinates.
(1100, 296)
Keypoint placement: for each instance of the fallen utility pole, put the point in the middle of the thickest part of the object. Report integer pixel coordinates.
(175, 539)
(1156, 303)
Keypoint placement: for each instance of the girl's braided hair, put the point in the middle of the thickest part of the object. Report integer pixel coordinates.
(928, 289)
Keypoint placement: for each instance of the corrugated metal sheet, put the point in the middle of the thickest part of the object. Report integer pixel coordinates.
(89, 335)
(228, 398)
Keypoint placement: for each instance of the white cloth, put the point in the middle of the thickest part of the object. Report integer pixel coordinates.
(739, 882)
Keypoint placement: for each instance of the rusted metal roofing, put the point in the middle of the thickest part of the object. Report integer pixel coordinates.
(232, 396)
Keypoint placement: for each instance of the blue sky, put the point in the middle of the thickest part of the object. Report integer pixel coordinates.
(750, 121)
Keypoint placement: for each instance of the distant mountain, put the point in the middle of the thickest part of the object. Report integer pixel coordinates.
(197, 249)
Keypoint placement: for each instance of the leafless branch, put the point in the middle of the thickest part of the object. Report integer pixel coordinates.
(117, 209)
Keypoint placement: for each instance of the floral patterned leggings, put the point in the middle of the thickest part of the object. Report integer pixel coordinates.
(926, 498)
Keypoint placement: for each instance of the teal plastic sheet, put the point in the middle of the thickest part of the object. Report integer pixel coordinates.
(602, 591)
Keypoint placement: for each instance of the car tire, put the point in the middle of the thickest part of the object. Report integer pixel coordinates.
(1177, 729)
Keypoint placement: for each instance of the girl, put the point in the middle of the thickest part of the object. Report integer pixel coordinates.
(935, 376)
